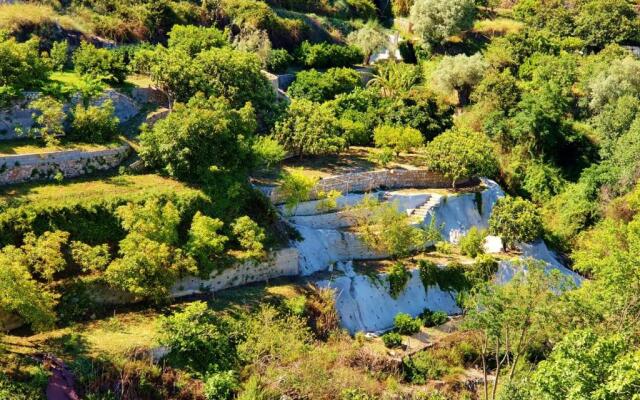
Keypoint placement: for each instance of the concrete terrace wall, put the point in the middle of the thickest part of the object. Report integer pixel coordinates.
(279, 264)
(372, 180)
(31, 167)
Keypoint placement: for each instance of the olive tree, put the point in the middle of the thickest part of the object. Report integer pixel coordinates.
(460, 73)
(435, 20)
(370, 38)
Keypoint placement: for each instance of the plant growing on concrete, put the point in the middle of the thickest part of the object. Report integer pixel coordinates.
(515, 220)
(471, 243)
(296, 187)
(398, 276)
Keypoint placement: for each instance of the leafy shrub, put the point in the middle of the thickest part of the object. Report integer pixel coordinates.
(279, 60)
(398, 277)
(22, 67)
(250, 236)
(392, 339)
(309, 128)
(450, 278)
(433, 318)
(221, 385)
(296, 187)
(49, 120)
(94, 124)
(100, 64)
(195, 39)
(296, 305)
(482, 270)
(461, 154)
(444, 247)
(268, 151)
(321, 86)
(405, 325)
(515, 220)
(325, 55)
(198, 135)
(205, 243)
(90, 258)
(199, 340)
(426, 365)
(471, 244)
(59, 55)
(356, 394)
(400, 139)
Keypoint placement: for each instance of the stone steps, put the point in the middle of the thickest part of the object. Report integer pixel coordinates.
(417, 215)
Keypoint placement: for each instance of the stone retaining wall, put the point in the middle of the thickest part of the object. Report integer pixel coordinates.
(372, 180)
(32, 167)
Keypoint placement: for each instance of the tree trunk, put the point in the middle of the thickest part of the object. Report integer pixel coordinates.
(464, 93)
(484, 369)
(498, 363)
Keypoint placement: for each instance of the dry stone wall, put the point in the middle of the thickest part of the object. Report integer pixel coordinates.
(73, 163)
(372, 180)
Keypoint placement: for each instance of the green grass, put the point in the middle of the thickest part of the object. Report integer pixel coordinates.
(497, 27)
(33, 146)
(16, 16)
(85, 190)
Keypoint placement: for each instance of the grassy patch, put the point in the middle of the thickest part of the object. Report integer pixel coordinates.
(497, 27)
(16, 16)
(34, 146)
(86, 190)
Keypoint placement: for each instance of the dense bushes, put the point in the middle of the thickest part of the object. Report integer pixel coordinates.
(197, 136)
(322, 86)
(515, 220)
(324, 55)
(21, 67)
(195, 39)
(94, 124)
(101, 64)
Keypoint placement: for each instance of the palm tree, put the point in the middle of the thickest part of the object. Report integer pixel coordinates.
(395, 78)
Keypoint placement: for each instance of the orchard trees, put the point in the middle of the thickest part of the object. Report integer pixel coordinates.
(309, 128)
(515, 220)
(460, 73)
(198, 135)
(459, 154)
(195, 39)
(322, 86)
(370, 38)
(397, 138)
(435, 20)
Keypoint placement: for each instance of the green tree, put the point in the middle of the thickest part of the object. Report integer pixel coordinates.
(322, 86)
(21, 294)
(460, 73)
(198, 135)
(588, 365)
(460, 154)
(515, 220)
(195, 39)
(600, 22)
(369, 39)
(250, 236)
(471, 244)
(21, 67)
(309, 128)
(387, 230)
(95, 123)
(268, 151)
(296, 187)
(436, 20)
(511, 317)
(395, 79)
(90, 258)
(59, 55)
(206, 244)
(198, 339)
(148, 269)
(153, 220)
(102, 64)
(44, 253)
(398, 138)
(621, 78)
(49, 120)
